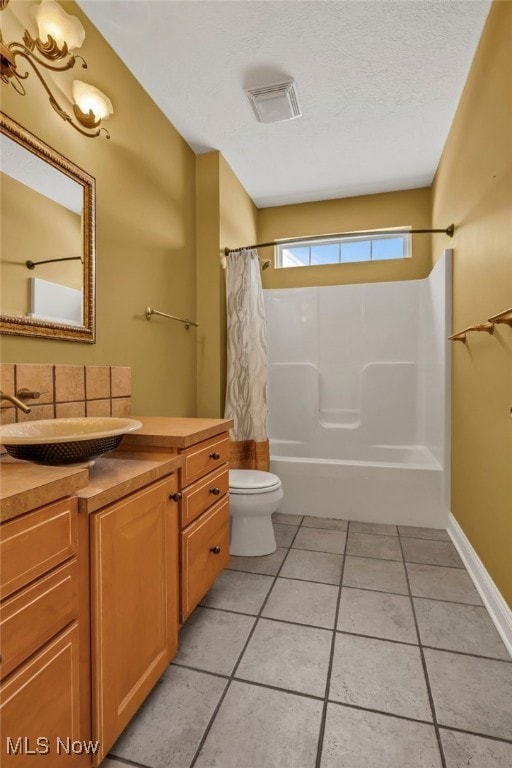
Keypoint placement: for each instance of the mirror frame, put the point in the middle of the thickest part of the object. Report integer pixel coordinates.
(24, 326)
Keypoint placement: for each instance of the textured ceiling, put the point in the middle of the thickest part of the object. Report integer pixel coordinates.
(378, 82)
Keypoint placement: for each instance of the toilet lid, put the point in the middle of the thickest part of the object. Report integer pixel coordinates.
(254, 480)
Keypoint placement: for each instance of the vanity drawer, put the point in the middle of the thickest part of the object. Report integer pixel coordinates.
(38, 613)
(203, 457)
(35, 543)
(198, 497)
(201, 563)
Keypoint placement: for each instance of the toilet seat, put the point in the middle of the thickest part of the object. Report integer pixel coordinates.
(250, 481)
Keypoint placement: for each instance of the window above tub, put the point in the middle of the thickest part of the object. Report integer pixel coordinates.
(312, 252)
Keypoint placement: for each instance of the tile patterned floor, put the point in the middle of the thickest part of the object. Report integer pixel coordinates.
(354, 645)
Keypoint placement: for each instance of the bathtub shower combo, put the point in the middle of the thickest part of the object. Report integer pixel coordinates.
(358, 383)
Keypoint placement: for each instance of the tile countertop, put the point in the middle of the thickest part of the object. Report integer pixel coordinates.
(26, 486)
(174, 432)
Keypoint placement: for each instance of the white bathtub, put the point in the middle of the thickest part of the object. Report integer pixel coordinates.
(392, 485)
(359, 398)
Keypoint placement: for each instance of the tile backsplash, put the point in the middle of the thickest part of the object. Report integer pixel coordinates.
(66, 390)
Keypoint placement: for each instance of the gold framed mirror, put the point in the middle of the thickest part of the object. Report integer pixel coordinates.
(47, 238)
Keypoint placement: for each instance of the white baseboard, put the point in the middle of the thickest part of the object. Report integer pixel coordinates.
(492, 598)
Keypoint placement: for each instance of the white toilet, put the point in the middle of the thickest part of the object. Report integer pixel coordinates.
(253, 497)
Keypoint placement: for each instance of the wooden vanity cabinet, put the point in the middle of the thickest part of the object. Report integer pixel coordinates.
(44, 631)
(202, 444)
(134, 601)
(204, 519)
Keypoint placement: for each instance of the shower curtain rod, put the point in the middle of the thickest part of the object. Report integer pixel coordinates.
(448, 231)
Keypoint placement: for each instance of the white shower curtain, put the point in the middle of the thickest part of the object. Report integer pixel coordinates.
(246, 386)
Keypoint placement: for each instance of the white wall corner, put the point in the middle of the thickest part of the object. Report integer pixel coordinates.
(493, 600)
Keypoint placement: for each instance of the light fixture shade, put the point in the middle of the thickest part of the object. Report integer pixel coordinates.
(53, 21)
(91, 99)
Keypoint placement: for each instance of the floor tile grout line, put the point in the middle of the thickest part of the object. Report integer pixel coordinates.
(292, 578)
(423, 645)
(210, 723)
(423, 722)
(383, 712)
(327, 530)
(321, 733)
(393, 536)
(372, 533)
(292, 691)
(248, 681)
(351, 586)
(416, 597)
(232, 676)
(182, 665)
(475, 733)
(333, 701)
(425, 670)
(228, 610)
(437, 565)
(465, 653)
(356, 634)
(323, 551)
(369, 557)
(287, 522)
(126, 761)
(298, 623)
(282, 621)
(374, 557)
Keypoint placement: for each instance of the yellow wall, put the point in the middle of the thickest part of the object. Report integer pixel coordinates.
(28, 233)
(209, 291)
(145, 227)
(350, 214)
(226, 217)
(473, 187)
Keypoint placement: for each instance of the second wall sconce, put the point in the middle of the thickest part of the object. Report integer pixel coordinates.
(59, 34)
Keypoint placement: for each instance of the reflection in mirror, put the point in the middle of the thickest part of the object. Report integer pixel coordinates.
(47, 240)
(37, 201)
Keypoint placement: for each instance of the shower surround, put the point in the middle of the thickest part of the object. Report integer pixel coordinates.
(358, 382)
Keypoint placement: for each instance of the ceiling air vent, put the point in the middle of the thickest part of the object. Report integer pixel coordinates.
(275, 103)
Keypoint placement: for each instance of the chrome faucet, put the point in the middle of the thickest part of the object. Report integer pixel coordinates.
(15, 401)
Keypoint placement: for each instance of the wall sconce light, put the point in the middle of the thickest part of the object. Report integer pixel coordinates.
(59, 34)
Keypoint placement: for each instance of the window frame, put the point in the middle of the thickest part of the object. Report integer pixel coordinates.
(311, 242)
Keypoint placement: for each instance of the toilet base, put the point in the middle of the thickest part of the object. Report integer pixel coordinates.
(252, 536)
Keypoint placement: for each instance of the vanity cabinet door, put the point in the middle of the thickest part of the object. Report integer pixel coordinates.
(134, 603)
(41, 708)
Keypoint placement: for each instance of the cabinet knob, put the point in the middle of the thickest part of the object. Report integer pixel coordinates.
(215, 491)
(215, 550)
(176, 496)
(215, 455)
